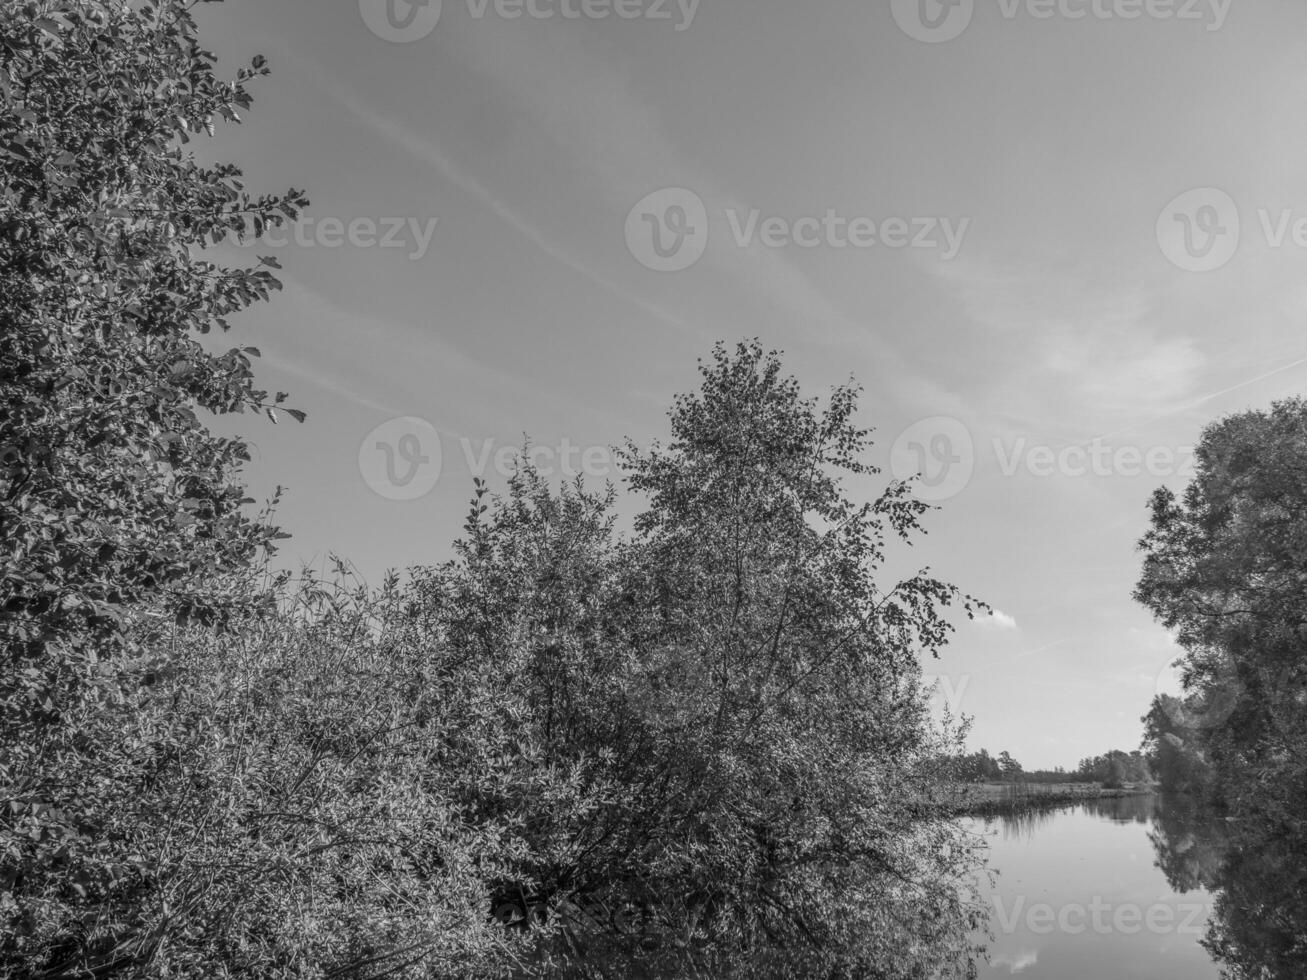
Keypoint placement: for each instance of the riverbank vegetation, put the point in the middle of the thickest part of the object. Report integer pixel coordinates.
(1224, 570)
(702, 749)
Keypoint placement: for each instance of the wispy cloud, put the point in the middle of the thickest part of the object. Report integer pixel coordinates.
(587, 112)
(1079, 351)
(411, 140)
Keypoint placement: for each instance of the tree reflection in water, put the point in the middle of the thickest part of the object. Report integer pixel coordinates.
(1119, 809)
(1256, 870)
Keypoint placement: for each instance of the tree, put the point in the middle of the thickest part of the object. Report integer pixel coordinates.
(116, 501)
(1008, 767)
(1224, 567)
(727, 706)
(1175, 750)
(795, 672)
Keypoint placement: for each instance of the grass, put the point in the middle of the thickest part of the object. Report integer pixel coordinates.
(984, 799)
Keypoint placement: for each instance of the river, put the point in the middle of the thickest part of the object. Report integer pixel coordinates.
(1110, 888)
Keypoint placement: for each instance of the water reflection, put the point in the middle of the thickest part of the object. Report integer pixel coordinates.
(1138, 809)
(1257, 870)
(1227, 896)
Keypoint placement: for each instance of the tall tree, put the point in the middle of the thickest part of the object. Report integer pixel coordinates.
(797, 670)
(115, 498)
(1225, 566)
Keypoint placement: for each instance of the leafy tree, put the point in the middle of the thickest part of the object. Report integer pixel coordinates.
(728, 707)
(1175, 749)
(795, 672)
(1008, 767)
(115, 500)
(1224, 567)
(1115, 769)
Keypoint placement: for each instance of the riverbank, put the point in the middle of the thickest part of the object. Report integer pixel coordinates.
(993, 799)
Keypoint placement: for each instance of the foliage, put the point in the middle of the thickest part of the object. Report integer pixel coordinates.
(1175, 749)
(1224, 568)
(1115, 768)
(734, 706)
(287, 798)
(116, 502)
(704, 750)
(977, 767)
(1255, 869)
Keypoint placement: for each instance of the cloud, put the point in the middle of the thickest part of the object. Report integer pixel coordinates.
(409, 139)
(999, 620)
(1077, 351)
(1017, 962)
(589, 113)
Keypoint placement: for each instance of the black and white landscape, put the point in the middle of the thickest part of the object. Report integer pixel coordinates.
(653, 488)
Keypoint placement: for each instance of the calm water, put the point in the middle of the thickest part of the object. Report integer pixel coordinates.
(1112, 888)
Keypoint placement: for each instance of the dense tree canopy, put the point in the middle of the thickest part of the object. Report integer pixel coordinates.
(116, 501)
(1225, 567)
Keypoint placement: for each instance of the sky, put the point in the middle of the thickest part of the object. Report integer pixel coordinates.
(1052, 239)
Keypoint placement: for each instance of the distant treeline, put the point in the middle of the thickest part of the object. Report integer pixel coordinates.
(1113, 769)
